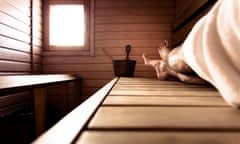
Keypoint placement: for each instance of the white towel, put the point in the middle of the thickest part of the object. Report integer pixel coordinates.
(212, 49)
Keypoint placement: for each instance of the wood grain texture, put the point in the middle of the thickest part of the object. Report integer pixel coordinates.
(38, 85)
(20, 44)
(142, 117)
(20, 81)
(149, 119)
(74, 119)
(154, 137)
(163, 101)
(188, 12)
(40, 107)
(186, 9)
(140, 23)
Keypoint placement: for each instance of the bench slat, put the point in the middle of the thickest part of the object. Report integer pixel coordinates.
(154, 137)
(139, 117)
(164, 101)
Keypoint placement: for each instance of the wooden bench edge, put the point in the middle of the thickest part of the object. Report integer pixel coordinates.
(72, 124)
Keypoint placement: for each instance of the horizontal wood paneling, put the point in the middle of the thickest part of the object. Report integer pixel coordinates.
(12, 8)
(143, 24)
(15, 38)
(6, 42)
(14, 99)
(20, 46)
(188, 12)
(13, 22)
(12, 66)
(133, 3)
(13, 55)
(131, 35)
(22, 5)
(133, 28)
(14, 33)
(140, 23)
(133, 11)
(132, 19)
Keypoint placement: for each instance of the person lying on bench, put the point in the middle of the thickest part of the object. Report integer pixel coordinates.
(211, 50)
(172, 63)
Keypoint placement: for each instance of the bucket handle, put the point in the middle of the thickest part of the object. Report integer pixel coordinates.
(127, 49)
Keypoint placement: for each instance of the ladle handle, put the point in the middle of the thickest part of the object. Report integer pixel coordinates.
(128, 49)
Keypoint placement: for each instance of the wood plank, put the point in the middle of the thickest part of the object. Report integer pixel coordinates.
(186, 18)
(169, 118)
(14, 44)
(13, 55)
(164, 93)
(132, 19)
(154, 137)
(8, 82)
(171, 86)
(7, 110)
(133, 36)
(103, 59)
(133, 27)
(147, 74)
(77, 119)
(11, 21)
(14, 12)
(21, 5)
(160, 88)
(164, 101)
(154, 82)
(181, 6)
(40, 105)
(180, 35)
(139, 80)
(14, 66)
(14, 99)
(153, 43)
(64, 96)
(134, 3)
(82, 68)
(135, 11)
(195, 5)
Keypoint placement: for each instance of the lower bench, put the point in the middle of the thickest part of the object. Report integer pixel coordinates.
(38, 84)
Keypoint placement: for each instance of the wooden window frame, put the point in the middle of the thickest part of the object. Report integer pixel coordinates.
(89, 36)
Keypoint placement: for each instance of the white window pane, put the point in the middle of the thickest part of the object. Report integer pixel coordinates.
(67, 25)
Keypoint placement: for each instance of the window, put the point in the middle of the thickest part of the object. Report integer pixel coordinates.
(69, 25)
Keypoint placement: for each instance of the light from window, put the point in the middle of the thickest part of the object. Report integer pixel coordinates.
(67, 25)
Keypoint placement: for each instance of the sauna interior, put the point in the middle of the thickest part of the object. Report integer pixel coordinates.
(27, 48)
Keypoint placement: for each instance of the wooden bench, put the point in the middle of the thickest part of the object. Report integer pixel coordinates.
(140, 110)
(38, 84)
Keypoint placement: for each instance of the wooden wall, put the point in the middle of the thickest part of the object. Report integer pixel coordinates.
(20, 45)
(143, 24)
(188, 12)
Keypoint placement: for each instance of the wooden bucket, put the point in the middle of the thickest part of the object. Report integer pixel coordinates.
(124, 68)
